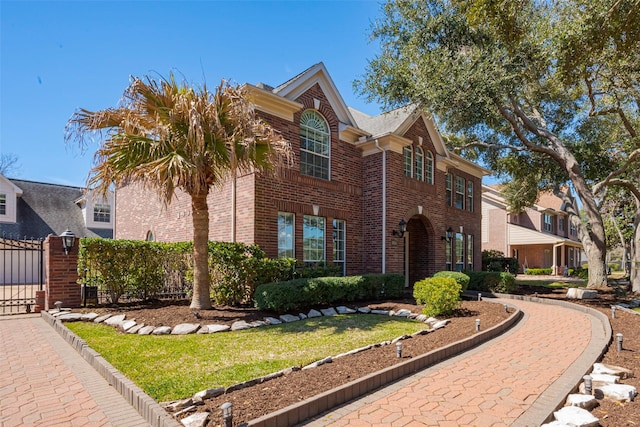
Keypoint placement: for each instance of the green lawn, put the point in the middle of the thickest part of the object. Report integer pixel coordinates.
(173, 367)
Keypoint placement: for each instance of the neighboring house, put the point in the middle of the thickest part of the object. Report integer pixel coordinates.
(539, 237)
(354, 178)
(33, 210)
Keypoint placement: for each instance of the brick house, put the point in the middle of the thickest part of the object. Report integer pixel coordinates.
(354, 178)
(539, 237)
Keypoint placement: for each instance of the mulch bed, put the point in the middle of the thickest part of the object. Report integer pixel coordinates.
(252, 402)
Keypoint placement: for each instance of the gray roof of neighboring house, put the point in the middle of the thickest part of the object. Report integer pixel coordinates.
(47, 209)
(382, 123)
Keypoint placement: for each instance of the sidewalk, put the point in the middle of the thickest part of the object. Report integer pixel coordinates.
(45, 382)
(515, 380)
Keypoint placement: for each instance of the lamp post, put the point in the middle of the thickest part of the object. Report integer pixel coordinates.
(68, 239)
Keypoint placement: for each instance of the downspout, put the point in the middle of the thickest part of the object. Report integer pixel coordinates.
(233, 208)
(384, 207)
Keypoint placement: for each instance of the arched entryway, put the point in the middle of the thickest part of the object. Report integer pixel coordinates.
(419, 258)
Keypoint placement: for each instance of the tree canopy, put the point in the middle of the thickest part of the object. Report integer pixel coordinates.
(546, 93)
(167, 135)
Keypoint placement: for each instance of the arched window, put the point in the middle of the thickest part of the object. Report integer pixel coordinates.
(429, 167)
(149, 237)
(315, 145)
(408, 161)
(419, 164)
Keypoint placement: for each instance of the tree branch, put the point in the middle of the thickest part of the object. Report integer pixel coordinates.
(633, 157)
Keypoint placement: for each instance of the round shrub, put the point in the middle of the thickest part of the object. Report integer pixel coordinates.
(461, 278)
(440, 295)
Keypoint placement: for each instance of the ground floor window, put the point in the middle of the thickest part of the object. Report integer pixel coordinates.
(470, 252)
(459, 251)
(339, 229)
(448, 253)
(286, 221)
(313, 229)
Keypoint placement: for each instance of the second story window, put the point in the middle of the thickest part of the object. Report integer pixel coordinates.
(459, 192)
(101, 213)
(449, 189)
(470, 196)
(572, 230)
(561, 225)
(428, 167)
(3, 204)
(548, 222)
(407, 153)
(419, 164)
(315, 143)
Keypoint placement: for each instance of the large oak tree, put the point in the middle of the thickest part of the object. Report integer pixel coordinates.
(546, 93)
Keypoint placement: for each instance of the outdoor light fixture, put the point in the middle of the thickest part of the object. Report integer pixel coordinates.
(619, 341)
(399, 349)
(402, 227)
(68, 239)
(588, 384)
(227, 415)
(448, 236)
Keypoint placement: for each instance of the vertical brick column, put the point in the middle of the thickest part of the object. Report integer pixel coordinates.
(61, 273)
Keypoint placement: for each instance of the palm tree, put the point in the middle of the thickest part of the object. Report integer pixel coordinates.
(167, 136)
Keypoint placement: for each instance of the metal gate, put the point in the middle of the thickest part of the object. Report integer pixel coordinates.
(21, 274)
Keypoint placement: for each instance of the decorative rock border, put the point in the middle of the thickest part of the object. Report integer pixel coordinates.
(130, 326)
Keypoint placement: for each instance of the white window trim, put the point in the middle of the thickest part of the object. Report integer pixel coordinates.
(293, 233)
(419, 164)
(407, 161)
(313, 153)
(429, 167)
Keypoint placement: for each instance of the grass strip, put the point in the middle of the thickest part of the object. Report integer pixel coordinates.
(173, 367)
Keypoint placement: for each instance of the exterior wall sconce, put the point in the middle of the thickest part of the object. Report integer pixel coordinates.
(402, 227)
(448, 236)
(68, 239)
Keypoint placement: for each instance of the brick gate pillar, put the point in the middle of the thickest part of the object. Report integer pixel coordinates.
(61, 273)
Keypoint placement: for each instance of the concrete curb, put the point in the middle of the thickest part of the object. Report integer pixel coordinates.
(318, 404)
(552, 399)
(148, 408)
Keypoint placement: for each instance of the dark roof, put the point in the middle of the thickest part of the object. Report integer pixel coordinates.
(47, 209)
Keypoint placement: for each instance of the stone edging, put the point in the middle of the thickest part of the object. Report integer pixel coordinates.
(541, 411)
(320, 403)
(150, 410)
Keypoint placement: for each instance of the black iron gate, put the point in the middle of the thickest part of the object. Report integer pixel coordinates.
(21, 274)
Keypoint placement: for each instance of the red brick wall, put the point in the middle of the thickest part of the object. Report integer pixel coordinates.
(61, 273)
(352, 194)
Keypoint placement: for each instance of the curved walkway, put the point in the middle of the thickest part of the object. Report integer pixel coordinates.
(45, 382)
(514, 380)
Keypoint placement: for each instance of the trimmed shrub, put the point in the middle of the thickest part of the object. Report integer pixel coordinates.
(440, 295)
(298, 294)
(538, 271)
(461, 278)
(491, 281)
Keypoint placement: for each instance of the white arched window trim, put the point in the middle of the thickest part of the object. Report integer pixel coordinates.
(315, 145)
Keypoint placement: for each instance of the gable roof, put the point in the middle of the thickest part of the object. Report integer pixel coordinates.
(316, 74)
(47, 209)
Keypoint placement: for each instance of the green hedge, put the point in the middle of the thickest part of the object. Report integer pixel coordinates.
(491, 281)
(140, 269)
(461, 278)
(440, 295)
(306, 293)
(538, 271)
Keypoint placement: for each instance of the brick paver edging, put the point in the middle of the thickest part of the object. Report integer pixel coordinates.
(320, 403)
(148, 408)
(541, 411)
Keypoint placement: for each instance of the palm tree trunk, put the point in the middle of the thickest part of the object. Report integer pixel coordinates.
(200, 213)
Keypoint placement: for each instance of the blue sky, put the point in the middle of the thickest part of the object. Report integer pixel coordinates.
(58, 56)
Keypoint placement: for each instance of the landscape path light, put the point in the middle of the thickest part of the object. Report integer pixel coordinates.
(227, 414)
(587, 384)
